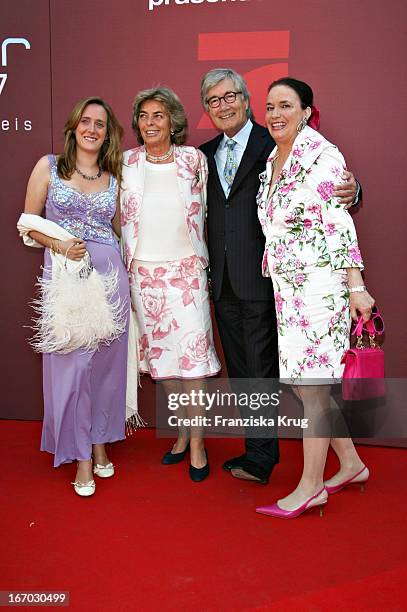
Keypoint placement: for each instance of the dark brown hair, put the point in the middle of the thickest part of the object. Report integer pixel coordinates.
(302, 89)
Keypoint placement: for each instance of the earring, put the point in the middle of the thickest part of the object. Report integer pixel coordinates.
(302, 124)
(172, 132)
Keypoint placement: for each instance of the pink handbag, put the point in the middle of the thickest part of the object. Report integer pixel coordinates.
(363, 376)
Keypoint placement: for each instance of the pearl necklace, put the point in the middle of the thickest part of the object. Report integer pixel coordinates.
(159, 158)
(87, 177)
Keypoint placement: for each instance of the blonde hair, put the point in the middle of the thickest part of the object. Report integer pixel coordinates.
(173, 106)
(110, 154)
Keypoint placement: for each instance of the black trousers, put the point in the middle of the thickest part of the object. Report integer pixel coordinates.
(248, 331)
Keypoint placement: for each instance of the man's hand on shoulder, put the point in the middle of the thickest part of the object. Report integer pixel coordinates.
(348, 191)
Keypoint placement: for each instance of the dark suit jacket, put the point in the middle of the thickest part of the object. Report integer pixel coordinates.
(233, 227)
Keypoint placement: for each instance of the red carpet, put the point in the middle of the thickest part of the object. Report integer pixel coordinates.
(150, 539)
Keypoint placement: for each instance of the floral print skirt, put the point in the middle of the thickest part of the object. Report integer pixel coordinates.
(171, 301)
(313, 320)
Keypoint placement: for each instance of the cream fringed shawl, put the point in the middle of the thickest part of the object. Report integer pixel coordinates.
(76, 309)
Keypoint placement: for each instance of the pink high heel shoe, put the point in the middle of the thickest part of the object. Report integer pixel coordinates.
(359, 478)
(319, 499)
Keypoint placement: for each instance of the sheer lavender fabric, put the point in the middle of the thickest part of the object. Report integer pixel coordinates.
(85, 392)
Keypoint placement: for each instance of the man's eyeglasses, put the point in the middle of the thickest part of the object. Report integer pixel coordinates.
(229, 98)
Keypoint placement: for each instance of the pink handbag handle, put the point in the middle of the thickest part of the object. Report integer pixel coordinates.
(369, 325)
(360, 324)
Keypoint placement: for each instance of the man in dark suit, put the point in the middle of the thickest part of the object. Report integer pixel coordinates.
(244, 302)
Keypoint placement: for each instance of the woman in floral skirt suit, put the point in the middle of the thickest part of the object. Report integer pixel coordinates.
(313, 259)
(163, 205)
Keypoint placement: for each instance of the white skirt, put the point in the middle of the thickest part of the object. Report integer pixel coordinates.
(313, 320)
(171, 301)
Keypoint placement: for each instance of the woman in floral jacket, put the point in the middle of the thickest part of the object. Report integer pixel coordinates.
(313, 258)
(163, 204)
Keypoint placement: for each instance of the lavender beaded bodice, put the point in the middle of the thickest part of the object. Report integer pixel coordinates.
(84, 215)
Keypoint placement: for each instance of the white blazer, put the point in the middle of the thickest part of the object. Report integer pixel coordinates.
(192, 175)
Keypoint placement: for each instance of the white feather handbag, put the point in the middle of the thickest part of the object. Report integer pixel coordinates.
(77, 309)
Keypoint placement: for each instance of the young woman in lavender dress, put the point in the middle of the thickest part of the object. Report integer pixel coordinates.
(84, 391)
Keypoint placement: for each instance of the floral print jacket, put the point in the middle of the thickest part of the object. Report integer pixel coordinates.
(192, 175)
(303, 223)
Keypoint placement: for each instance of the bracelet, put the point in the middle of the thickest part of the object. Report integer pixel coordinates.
(54, 250)
(357, 289)
(67, 250)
